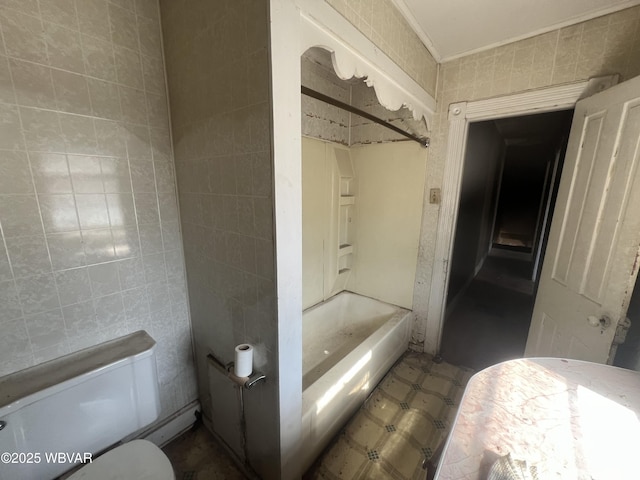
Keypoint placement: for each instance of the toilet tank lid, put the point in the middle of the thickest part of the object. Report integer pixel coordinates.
(89, 361)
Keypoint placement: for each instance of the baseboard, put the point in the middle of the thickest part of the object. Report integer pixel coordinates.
(173, 426)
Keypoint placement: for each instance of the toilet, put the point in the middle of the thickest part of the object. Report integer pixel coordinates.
(57, 414)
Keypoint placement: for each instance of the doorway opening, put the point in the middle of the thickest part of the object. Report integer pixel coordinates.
(510, 177)
(628, 353)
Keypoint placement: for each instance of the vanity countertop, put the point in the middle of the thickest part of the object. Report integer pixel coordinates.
(569, 418)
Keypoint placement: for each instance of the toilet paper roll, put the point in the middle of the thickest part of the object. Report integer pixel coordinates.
(244, 360)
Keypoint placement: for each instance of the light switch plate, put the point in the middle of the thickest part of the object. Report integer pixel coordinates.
(434, 196)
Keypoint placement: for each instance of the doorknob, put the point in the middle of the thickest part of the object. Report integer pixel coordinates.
(602, 322)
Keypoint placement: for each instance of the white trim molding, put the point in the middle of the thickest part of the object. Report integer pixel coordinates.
(549, 99)
(287, 214)
(178, 423)
(458, 128)
(297, 25)
(535, 101)
(354, 55)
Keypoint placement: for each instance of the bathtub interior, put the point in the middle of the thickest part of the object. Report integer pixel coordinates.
(336, 327)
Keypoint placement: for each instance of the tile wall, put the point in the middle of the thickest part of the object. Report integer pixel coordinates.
(219, 90)
(384, 25)
(604, 45)
(90, 238)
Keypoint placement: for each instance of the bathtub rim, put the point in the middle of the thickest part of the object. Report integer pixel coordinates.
(347, 293)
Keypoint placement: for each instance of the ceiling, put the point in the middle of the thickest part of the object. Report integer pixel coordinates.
(452, 28)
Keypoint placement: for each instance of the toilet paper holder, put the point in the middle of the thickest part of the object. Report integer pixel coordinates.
(246, 382)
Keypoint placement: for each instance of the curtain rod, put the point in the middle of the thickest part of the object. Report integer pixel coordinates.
(345, 106)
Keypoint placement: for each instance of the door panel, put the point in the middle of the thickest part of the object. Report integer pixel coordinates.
(591, 260)
(618, 192)
(582, 185)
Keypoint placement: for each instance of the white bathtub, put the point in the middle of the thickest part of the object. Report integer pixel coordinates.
(349, 342)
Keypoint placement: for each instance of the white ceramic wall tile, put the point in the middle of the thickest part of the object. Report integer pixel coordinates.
(6, 92)
(23, 35)
(126, 241)
(10, 134)
(128, 67)
(62, 12)
(109, 311)
(58, 213)
(37, 293)
(45, 329)
(66, 250)
(9, 302)
(15, 177)
(85, 174)
(63, 47)
(5, 267)
(73, 285)
(34, 84)
(82, 91)
(28, 255)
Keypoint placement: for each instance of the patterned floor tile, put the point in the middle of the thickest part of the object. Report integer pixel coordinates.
(395, 387)
(441, 385)
(412, 408)
(343, 460)
(428, 402)
(418, 426)
(408, 372)
(401, 456)
(381, 407)
(365, 431)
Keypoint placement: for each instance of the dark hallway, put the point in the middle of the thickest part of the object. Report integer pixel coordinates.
(489, 322)
(511, 173)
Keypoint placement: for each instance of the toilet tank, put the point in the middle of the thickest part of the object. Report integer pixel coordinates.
(80, 403)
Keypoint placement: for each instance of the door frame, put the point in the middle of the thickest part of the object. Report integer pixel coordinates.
(560, 97)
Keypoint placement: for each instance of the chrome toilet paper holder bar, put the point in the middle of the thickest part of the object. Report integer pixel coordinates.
(246, 382)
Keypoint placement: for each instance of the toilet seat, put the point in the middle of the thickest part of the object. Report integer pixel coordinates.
(135, 460)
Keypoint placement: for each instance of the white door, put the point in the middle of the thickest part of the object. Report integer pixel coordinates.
(592, 255)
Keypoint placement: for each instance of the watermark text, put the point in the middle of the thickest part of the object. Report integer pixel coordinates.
(46, 457)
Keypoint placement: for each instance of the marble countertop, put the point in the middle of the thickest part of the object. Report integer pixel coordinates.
(571, 419)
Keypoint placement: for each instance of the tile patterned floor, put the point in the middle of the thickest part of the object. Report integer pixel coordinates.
(400, 425)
